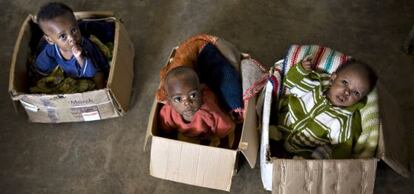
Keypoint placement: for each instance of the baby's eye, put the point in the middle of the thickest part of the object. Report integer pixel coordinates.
(74, 30)
(193, 95)
(356, 93)
(62, 36)
(344, 82)
(177, 99)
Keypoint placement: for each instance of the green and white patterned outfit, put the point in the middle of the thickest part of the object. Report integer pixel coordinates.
(311, 126)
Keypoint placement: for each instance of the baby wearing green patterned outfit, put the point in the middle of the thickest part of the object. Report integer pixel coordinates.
(319, 117)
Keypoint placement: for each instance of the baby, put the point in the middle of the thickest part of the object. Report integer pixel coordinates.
(193, 110)
(218, 62)
(76, 55)
(320, 117)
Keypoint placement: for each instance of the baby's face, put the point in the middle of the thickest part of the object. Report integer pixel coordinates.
(62, 31)
(185, 98)
(347, 88)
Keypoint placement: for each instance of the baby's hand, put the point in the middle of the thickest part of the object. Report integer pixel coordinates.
(307, 62)
(77, 52)
(322, 152)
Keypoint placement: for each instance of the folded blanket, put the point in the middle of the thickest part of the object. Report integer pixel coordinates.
(57, 83)
(217, 72)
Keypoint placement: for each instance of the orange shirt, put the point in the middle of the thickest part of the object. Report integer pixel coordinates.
(208, 120)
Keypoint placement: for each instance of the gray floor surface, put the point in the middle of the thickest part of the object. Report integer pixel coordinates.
(107, 156)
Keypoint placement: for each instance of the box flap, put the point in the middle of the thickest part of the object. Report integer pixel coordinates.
(392, 146)
(18, 72)
(93, 14)
(192, 163)
(266, 165)
(122, 68)
(324, 176)
(152, 121)
(249, 142)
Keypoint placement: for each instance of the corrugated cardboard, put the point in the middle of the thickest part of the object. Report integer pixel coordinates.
(323, 176)
(334, 176)
(200, 165)
(109, 102)
(392, 148)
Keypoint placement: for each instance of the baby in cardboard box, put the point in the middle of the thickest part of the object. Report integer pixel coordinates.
(68, 48)
(192, 109)
(320, 117)
(202, 113)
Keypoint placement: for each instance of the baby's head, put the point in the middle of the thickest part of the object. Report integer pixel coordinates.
(59, 25)
(350, 83)
(183, 91)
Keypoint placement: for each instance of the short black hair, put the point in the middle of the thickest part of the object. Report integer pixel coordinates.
(52, 10)
(368, 71)
(186, 74)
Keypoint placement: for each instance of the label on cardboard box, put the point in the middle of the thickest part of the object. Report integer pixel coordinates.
(91, 116)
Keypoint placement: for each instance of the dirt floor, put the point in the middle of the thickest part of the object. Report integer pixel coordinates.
(107, 156)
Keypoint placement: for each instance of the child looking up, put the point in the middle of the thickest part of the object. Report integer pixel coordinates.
(320, 117)
(192, 109)
(67, 48)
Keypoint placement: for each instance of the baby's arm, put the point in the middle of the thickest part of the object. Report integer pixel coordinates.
(87, 68)
(222, 123)
(329, 151)
(77, 52)
(295, 76)
(301, 75)
(165, 119)
(45, 63)
(307, 62)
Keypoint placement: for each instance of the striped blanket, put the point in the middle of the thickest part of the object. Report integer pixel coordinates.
(328, 60)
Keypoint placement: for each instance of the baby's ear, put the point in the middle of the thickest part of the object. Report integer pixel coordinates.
(48, 39)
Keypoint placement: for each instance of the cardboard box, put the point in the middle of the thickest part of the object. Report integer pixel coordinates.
(200, 165)
(112, 101)
(334, 176)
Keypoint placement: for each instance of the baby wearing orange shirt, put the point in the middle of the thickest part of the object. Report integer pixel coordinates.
(193, 111)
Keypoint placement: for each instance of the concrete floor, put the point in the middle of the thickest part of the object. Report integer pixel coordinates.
(107, 156)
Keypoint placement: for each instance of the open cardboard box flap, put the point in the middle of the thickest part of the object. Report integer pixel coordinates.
(120, 77)
(249, 142)
(19, 57)
(392, 148)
